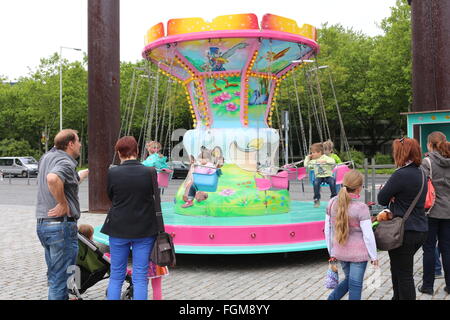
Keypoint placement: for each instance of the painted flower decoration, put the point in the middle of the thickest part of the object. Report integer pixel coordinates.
(225, 96)
(227, 192)
(231, 107)
(237, 93)
(217, 100)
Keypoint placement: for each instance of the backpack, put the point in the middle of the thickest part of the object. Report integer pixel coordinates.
(431, 194)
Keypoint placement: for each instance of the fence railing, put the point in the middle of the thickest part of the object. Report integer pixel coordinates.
(370, 194)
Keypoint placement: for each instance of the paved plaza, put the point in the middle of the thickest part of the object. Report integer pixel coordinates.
(293, 276)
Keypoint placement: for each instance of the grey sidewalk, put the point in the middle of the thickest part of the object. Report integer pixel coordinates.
(297, 275)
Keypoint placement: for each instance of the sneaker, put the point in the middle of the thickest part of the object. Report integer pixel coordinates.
(425, 290)
(316, 203)
(188, 203)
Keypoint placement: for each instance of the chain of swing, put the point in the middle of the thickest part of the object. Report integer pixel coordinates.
(153, 127)
(316, 112)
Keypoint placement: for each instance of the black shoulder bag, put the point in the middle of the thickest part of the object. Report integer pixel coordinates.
(163, 253)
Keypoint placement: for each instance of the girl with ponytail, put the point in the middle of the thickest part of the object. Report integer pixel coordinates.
(437, 166)
(349, 236)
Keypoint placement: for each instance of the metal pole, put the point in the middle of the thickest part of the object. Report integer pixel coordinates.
(103, 96)
(286, 136)
(60, 88)
(373, 181)
(430, 20)
(60, 84)
(366, 179)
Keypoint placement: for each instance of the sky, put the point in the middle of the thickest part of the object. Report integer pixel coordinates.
(35, 29)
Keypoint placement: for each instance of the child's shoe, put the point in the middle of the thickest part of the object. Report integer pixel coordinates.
(188, 203)
(316, 203)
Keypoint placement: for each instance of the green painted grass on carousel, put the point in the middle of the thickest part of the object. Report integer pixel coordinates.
(236, 195)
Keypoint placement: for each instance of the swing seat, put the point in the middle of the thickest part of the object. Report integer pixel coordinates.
(301, 173)
(280, 180)
(206, 182)
(292, 173)
(339, 172)
(164, 177)
(263, 184)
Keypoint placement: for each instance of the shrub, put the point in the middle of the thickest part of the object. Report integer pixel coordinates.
(17, 148)
(356, 156)
(383, 158)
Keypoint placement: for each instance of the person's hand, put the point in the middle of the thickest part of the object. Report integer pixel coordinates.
(60, 210)
(374, 263)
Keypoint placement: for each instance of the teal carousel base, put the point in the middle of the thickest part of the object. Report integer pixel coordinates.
(301, 229)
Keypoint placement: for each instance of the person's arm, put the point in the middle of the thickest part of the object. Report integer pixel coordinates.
(83, 174)
(56, 188)
(327, 233)
(109, 186)
(426, 166)
(307, 160)
(369, 238)
(336, 158)
(390, 189)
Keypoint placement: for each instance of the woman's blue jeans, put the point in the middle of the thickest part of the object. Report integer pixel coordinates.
(120, 250)
(353, 282)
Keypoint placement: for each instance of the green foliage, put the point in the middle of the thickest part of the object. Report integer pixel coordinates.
(17, 148)
(383, 158)
(371, 77)
(356, 156)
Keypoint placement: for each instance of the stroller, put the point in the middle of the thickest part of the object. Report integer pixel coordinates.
(93, 266)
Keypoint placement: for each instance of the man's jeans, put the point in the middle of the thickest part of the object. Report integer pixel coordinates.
(120, 250)
(353, 282)
(60, 242)
(330, 181)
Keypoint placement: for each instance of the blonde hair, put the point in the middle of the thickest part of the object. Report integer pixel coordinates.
(153, 143)
(352, 181)
(328, 146)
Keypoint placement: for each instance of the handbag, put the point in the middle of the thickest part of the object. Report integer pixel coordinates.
(163, 252)
(389, 234)
(332, 275)
(431, 193)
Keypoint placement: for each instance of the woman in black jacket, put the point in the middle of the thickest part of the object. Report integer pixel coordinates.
(399, 192)
(439, 214)
(131, 221)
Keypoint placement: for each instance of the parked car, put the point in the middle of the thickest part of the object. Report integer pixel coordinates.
(180, 169)
(19, 166)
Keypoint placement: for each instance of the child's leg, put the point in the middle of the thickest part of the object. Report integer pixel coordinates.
(187, 190)
(317, 183)
(332, 182)
(157, 288)
(189, 198)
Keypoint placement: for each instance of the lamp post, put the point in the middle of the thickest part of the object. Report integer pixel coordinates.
(60, 83)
